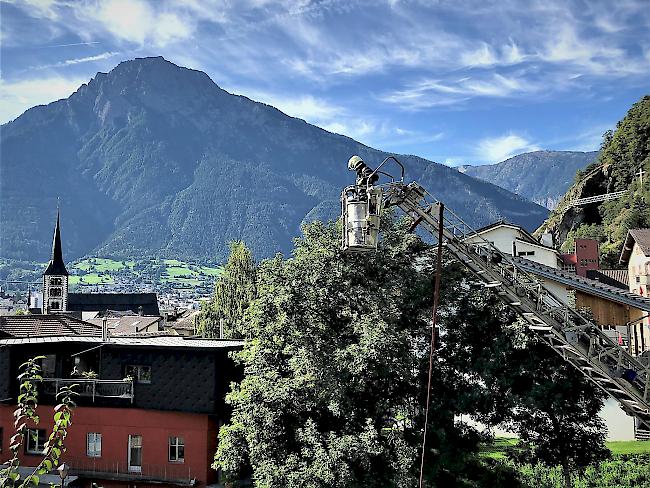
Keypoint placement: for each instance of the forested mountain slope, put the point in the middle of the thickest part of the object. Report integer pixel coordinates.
(541, 176)
(152, 159)
(624, 152)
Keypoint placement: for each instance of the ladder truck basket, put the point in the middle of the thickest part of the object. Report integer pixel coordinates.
(360, 208)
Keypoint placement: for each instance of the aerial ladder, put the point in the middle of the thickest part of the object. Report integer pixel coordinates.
(572, 335)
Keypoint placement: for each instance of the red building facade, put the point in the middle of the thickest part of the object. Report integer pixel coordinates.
(158, 428)
(108, 459)
(584, 257)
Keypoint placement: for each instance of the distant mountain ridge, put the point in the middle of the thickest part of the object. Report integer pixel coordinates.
(540, 176)
(155, 160)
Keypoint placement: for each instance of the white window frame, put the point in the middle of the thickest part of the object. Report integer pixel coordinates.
(31, 438)
(94, 444)
(135, 468)
(175, 442)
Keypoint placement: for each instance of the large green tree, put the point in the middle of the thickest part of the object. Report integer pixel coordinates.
(233, 292)
(328, 375)
(335, 370)
(522, 385)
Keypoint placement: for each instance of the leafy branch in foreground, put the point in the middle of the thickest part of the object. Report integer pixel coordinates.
(26, 415)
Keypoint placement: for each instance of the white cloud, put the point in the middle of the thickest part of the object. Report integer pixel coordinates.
(18, 96)
(135, 21)
(40, 8)
(320, 112)
(436, 92)
(307, 107)
(483, 56)
(497, 149)
(86, 59)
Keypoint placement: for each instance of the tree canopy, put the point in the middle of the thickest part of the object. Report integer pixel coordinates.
(233, 293)
(335, 371)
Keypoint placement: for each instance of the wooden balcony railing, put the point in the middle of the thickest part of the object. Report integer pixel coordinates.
(91, 388)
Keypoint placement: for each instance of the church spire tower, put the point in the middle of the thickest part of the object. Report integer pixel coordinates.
(55, 278)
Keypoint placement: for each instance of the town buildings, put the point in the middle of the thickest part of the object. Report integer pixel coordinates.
(57, 299)
(150, 402)
(577, 280)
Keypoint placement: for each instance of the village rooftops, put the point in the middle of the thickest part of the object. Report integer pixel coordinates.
(169, 341)
(585, 285)
(639, 236)
(129, 324)
(613, 277)
(121, 302)
(46, 325)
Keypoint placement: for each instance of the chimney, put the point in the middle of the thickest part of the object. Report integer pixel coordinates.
(105, 329)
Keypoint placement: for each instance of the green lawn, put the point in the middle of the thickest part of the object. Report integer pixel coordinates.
(95, 279)
(183, 281)
(496, 449)
(100, 265)
(629, 447)
(211, 271)
(174, 271)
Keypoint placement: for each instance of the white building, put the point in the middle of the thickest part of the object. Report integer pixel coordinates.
(636, 254)
(516, 241)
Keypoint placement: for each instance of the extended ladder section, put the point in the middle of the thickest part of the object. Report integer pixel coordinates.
(578, 340)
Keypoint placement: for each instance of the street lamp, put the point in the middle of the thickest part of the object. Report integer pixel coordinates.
(63, 473)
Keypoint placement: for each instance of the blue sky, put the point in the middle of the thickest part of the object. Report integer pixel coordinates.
(453, 81)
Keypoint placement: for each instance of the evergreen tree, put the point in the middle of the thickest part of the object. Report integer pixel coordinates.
(233, 293)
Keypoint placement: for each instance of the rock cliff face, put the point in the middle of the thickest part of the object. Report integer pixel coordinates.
(541, 176)
(625, 153)
(152, 159)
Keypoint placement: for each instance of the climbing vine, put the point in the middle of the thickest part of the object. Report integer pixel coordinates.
(25, 415)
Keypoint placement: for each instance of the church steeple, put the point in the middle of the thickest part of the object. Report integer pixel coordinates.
(55, 278)
(56, 265)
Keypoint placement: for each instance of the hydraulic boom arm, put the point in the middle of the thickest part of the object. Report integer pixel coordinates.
(573, 336)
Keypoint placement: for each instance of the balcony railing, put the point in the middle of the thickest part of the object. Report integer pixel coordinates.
(98, 468)
(90, 388)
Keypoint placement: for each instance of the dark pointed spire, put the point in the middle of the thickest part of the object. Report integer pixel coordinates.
(56, 265)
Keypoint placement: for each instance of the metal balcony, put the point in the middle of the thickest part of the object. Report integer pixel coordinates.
(105, 469)
(90, 388)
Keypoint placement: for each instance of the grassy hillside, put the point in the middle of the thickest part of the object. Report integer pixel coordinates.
(90, 272)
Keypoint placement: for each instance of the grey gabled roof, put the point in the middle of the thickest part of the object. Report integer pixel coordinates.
(641, 237)
(585, 285)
